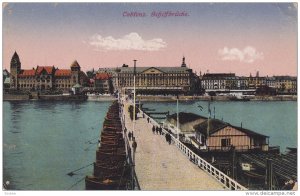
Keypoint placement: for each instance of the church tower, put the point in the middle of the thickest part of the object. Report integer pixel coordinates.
(15, 68)
(183, 62)
(75, 70)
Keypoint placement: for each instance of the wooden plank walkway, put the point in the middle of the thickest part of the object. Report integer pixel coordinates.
(160, 166)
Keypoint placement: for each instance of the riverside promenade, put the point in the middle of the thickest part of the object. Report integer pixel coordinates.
(160, 166)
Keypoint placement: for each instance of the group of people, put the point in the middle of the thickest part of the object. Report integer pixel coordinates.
(157, 130)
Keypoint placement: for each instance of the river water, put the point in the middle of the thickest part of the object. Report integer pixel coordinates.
(44, 141)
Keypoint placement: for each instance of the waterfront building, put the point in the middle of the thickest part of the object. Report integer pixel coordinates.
(214, 134)
(294, 85)
(187, 121)
(286, 84)
(161, 80)
(229, 82)
(223, 81)
(215, 80)
(103, 83)
(6, 79)
(241, 82)
(271, 82)
(45, 78)
(112, 73)
(256, 81)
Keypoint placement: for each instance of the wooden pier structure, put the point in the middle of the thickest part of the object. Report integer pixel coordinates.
(278, 171)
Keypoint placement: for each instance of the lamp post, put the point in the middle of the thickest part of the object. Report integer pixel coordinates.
(134, 73)
(208, 121)
(133, 128)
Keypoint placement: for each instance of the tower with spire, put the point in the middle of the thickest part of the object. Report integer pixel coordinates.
(15, 69)
(183, 62)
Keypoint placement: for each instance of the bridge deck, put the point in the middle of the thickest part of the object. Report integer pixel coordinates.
(160, 166)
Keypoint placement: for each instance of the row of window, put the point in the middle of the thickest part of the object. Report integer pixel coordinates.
(32, 85)
(155, 80)
(154, 75)
(151, 84)
(63, 81)
(63, 86)
(26, 85)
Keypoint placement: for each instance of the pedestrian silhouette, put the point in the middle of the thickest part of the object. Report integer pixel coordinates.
(129, 136)
(153, 129)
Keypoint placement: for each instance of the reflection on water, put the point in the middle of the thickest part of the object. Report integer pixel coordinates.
(43, 141)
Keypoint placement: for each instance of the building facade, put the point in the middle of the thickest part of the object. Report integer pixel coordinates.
(217, 135)
(103, 83)
(286, 84)
(225, 82)
(112, 72)
(45, 78)
(160, 79)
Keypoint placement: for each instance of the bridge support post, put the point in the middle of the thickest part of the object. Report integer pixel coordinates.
(269, 175)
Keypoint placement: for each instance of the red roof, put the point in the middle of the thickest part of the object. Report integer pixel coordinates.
(102, 76)
(48, 69)
(63, 72)
(29, 72)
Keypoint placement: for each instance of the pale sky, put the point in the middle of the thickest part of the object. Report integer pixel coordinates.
(241, 38)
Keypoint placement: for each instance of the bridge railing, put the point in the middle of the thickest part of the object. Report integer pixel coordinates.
(128, 148)
(228, 182)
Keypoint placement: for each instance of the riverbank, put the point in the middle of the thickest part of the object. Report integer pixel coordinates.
(155, 98)
(13, 97)
(101, 98)
(16, 97)
(161, 98)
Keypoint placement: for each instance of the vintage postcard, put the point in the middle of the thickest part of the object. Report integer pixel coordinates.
(150, 96)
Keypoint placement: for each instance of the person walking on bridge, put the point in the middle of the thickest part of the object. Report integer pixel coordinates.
(160, 130)
(153, 129)
(168, 138)
(134, 146)
(156, 129)
(129, 136)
